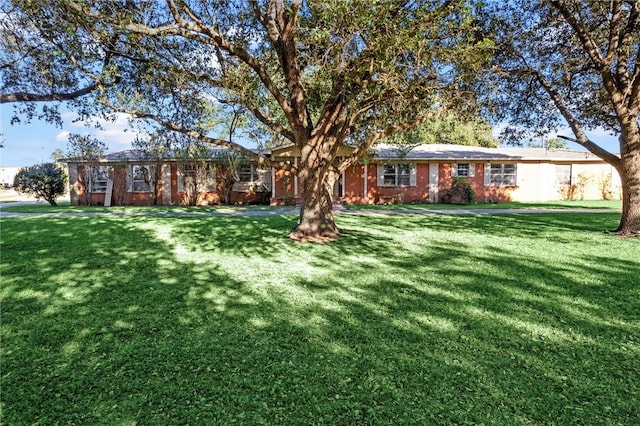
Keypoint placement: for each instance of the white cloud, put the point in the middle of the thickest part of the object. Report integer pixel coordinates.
(63, 136)
(117, 134)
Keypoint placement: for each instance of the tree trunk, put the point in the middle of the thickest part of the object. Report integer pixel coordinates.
(317, 219)
(630, 177)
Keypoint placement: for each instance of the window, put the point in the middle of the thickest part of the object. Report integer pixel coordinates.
(200, 177)
(396, 175)
(189, 172)
(99, 178)
(563, 174)
(500, 175)
(248, 173)
(463, 170)
(141, 179)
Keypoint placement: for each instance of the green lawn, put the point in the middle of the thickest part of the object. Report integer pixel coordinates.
(65, 207)
(479, 319)
(586, 204)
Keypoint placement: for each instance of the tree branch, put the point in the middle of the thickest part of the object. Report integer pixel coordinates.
(267, 121)
(197, 32)
(590, 47)
(51, 97)
(581, 137)
(260, 159)
(395, 128)
(615, 29)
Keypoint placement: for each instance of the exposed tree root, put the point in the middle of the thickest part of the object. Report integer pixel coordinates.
(300, 236)
(628, 234)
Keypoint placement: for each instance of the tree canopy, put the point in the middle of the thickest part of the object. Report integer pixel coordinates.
(319, 75)
(45, 61)
(577, 61)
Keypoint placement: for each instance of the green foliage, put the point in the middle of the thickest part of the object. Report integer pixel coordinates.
(406, 320)
(544, 70)
(315, 74)
(47, 181)
(553, 143)
(85, 147)
(448, 128)
(460, 192)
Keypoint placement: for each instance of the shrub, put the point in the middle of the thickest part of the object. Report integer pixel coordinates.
(460, 192)
(47, 181)
(567, 192)
(605, 187)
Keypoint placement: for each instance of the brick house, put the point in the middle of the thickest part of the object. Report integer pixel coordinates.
(387, 175)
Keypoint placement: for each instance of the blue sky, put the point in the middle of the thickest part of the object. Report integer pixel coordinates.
(28, 144)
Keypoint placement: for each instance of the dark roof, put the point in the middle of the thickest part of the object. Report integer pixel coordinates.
(463, 152)
(136, 155)
(442, 152)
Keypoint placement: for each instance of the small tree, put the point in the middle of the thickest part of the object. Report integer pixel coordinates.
(227, 172)
(604, 184)
(198, 173)
(47, 181)
(153, 149)
(89, 150)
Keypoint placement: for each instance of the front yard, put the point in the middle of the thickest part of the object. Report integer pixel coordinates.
(510, 319)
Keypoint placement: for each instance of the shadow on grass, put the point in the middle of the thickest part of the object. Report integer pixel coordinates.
(560, 205)
(404, 320)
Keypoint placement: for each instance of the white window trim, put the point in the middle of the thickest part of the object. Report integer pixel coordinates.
(569, 176)
(412, 174)
(92, 180)
(260, 178)
(131, 181)
(212, 182)
(471, 170)
(487, 174)
(254, 174)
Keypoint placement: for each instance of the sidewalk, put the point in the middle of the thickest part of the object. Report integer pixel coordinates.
(339, 209)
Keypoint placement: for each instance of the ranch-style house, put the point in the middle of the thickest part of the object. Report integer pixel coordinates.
(422, 174)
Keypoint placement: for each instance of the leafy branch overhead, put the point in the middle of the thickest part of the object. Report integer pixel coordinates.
(318, 75)
(573, 62)
(298, 68)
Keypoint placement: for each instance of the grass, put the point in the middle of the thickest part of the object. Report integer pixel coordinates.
(64, 207)
(588, 204)
(510, 319)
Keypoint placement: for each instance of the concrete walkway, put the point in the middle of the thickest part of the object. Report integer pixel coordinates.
(277, 211)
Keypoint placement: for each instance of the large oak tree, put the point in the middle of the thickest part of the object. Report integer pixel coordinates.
(319, 75)
(579, 60)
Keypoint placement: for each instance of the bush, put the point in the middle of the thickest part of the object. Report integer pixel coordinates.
(460, 192)
(47, 181)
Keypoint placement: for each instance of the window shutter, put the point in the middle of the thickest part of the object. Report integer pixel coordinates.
(413, 178)
(180, 178)
(211, 178)
(454, 169)
(380, 174)
(472, 169)
(487, 174)
(153, 177)
(129, 178)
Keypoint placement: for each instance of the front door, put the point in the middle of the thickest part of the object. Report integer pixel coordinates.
(338, 187)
